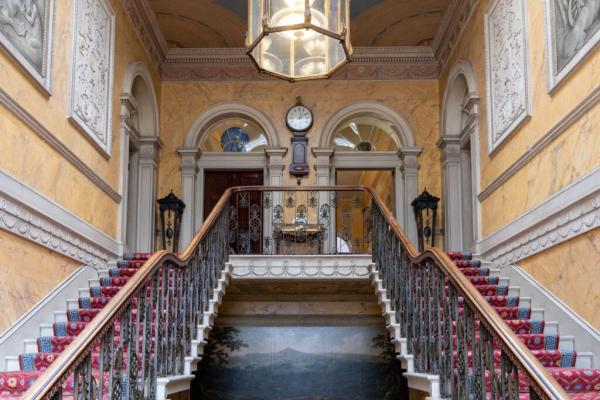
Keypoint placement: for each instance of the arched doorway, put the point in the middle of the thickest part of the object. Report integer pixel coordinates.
(460, 145)
(370, 143)
(139, 156)
(226, 138)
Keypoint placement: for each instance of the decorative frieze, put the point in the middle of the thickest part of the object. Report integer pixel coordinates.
(146, 26)
(385, 63)
(450, 31)
(507, 69)
(92, 70)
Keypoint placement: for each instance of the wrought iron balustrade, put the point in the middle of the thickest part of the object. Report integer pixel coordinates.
(146, 331)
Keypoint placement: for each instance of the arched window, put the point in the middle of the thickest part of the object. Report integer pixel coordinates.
(234, 135)
(365, 132)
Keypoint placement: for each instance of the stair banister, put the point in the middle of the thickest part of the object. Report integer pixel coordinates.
(433, 263)
(415, 283)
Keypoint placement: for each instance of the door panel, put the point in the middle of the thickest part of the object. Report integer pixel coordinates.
(217, 182)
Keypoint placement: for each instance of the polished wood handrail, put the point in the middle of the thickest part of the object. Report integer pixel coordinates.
(548, 387)
(66, 363)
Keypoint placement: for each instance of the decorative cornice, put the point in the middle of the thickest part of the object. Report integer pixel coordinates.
(368, 63)
(37, 127)
(565, 123)
(300, 267)
(568, 213)
(29, 214)
(453, 24)
(146, 26)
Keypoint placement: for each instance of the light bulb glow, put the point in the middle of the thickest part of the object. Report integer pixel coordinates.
(295, 16)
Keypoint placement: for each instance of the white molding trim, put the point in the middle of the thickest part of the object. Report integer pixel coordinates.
(44, 77)
(38, 128)
(84, 80)
(453, 24)
(515, 102)
(590, 101)
(301, 267)
(144, 21)
(572, 211)
(31, 215)
(556, 77)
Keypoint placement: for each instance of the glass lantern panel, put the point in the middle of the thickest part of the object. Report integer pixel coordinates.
(254, 20)
(234, 135)
(366, 132)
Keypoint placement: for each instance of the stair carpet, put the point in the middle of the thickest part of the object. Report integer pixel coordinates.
(555, 352)
(39, 354)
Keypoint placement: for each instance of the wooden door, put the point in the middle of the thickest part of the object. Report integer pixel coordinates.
(217, 182)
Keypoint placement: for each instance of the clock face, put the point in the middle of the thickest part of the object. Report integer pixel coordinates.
(299, 118)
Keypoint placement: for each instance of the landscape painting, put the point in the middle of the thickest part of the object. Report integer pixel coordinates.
(25, 32)
(299, 363)
(573, 30)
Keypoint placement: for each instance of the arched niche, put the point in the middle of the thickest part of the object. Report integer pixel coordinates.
(459, 140)
(195, 161)
(139, 157)
(400, 155)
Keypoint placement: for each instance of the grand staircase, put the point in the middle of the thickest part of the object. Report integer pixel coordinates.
(140, 328)
(39, 354)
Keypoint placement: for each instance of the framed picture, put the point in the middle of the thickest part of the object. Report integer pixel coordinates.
(573, 30)
(507, 69)
(90, 106)
(26, 30)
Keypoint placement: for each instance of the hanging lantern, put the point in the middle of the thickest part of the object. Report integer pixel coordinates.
(299, 39)
(425, 207)
(171, 210)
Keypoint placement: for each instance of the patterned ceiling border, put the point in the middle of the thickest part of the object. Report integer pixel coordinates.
(145, 23)
(368, 63)
(453, 24)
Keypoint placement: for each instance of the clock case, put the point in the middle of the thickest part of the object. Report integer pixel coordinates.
(299, 165)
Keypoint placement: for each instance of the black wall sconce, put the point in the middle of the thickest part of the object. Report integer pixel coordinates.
(171, 210)
(425, 207)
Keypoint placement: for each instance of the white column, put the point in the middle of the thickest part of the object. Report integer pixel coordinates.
(472, 107)
(148, 161)
(189, 173)
(453, 215)
(275, 165)
(323, 171)
(410, 180)
(127, 108)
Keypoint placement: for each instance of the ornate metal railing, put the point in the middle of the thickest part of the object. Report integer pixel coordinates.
(146, 330)
(450, 329)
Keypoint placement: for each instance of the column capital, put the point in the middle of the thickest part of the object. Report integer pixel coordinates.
(189, 161)
(322, 152)
(149, 148)
(409, 157)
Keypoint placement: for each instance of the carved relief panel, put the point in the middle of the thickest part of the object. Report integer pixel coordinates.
(507, 69)
(92, 70)
(26, 29)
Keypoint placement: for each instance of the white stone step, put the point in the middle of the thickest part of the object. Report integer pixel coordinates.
(537, 314)
(60, 316)
(30, 346)
(46, 330)
(72, 304)
(514, 291)
(585, 360)
(566, 343)
(94, 283)
(84, 293)
(551, 328)
(12, 363)
(525, 302)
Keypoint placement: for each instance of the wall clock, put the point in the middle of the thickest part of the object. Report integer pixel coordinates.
(299, 119)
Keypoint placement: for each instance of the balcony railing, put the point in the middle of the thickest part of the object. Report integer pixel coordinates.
(147, 330)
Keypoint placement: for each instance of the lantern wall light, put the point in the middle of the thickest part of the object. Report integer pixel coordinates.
(299, 39)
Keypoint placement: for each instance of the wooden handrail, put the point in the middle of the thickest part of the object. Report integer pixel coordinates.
(69, 359)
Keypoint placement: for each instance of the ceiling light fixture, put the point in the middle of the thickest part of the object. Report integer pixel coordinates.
(299, 39)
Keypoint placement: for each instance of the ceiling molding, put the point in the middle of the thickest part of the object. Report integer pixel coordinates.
(453, 24)
(146, 26)
(368, 63)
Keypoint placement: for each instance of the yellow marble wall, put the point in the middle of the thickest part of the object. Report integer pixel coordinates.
(568, 158)
(571, 271)
(31, 160)
(27, 273)
(417, 101)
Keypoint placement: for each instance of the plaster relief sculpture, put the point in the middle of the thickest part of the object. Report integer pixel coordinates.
(573, 30)
(25, 32)
(92, 70)
(507, 69)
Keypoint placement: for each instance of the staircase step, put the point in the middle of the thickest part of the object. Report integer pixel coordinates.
(459, 255)
(548, 358)
(122, 272)
(105, 291)
(17, 382)
(484, 280)
(93, 302)
(492, 290)
(113, 281)
(137, 256)
(577, 380)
